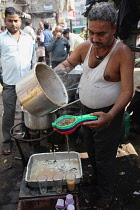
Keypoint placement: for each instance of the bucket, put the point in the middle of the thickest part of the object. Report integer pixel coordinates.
(41, 91)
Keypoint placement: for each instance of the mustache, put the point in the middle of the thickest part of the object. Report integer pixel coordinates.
(96, 43)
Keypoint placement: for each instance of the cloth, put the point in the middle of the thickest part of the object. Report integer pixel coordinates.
(74, 41)
(94, 90)
(45, 36)
(102, 144)
(9, 103)
(29, 30)
(59, 49)
(15, 56)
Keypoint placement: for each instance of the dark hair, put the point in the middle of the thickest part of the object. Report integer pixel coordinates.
(46, 25)
(27, 23)
(103, 11)
(66, 31)
(12, 11)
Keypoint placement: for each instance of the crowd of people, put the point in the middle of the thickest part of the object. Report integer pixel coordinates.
(22, 49)
(105, 88)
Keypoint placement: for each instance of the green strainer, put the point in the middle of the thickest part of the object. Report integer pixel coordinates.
(68, 123)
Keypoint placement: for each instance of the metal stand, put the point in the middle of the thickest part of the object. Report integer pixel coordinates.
(15, 135)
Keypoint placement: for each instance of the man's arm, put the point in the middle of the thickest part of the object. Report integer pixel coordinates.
(126, 74)
(77, 57)
(51, 44)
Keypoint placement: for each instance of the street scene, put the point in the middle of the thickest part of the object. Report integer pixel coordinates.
(70, 105)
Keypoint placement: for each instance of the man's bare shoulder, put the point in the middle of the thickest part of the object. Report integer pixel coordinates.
(123, 56)
(83, 47)
(122, 52)
(85, 44)
(123, 48)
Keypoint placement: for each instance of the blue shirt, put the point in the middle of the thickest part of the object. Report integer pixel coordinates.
(15, 56)
(45, 37)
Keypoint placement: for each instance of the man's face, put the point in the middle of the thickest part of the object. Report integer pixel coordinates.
(58, 29)
(101, 33)
(66, 36)
(13, 23)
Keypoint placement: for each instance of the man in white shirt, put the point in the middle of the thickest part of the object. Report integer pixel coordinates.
(29, 30)
(73, 39)
(15, 59)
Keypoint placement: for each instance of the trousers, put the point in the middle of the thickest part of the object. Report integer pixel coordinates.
(9, 104)
(102, 145)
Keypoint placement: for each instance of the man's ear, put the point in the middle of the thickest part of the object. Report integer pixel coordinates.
(114, 28)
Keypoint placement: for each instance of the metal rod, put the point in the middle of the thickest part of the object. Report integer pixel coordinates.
(72, 89)
(65, 105)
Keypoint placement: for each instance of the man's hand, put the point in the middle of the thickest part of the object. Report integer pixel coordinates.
(103, 119)
(58, 36)
(60, 67)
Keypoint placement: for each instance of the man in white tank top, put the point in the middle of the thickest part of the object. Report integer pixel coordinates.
(106, 87)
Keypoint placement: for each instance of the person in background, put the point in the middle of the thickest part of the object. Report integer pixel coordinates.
(58, 46)
(29, 30)
(41, 26)
(36, 45)
(40, 52)
(83, 33)
(73, 39)
(45, 36)
(15, 60)
(3, 28)
(74, 31)
(105, 88)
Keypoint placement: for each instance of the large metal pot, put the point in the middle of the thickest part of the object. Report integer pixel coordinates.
(41, 91)
(39, 123)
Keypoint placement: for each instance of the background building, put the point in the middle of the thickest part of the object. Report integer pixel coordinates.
(51, 11)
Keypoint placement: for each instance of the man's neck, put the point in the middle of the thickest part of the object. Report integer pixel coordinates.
(16, 35)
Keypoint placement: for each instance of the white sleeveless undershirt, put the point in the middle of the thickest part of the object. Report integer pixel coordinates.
(94, 91)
